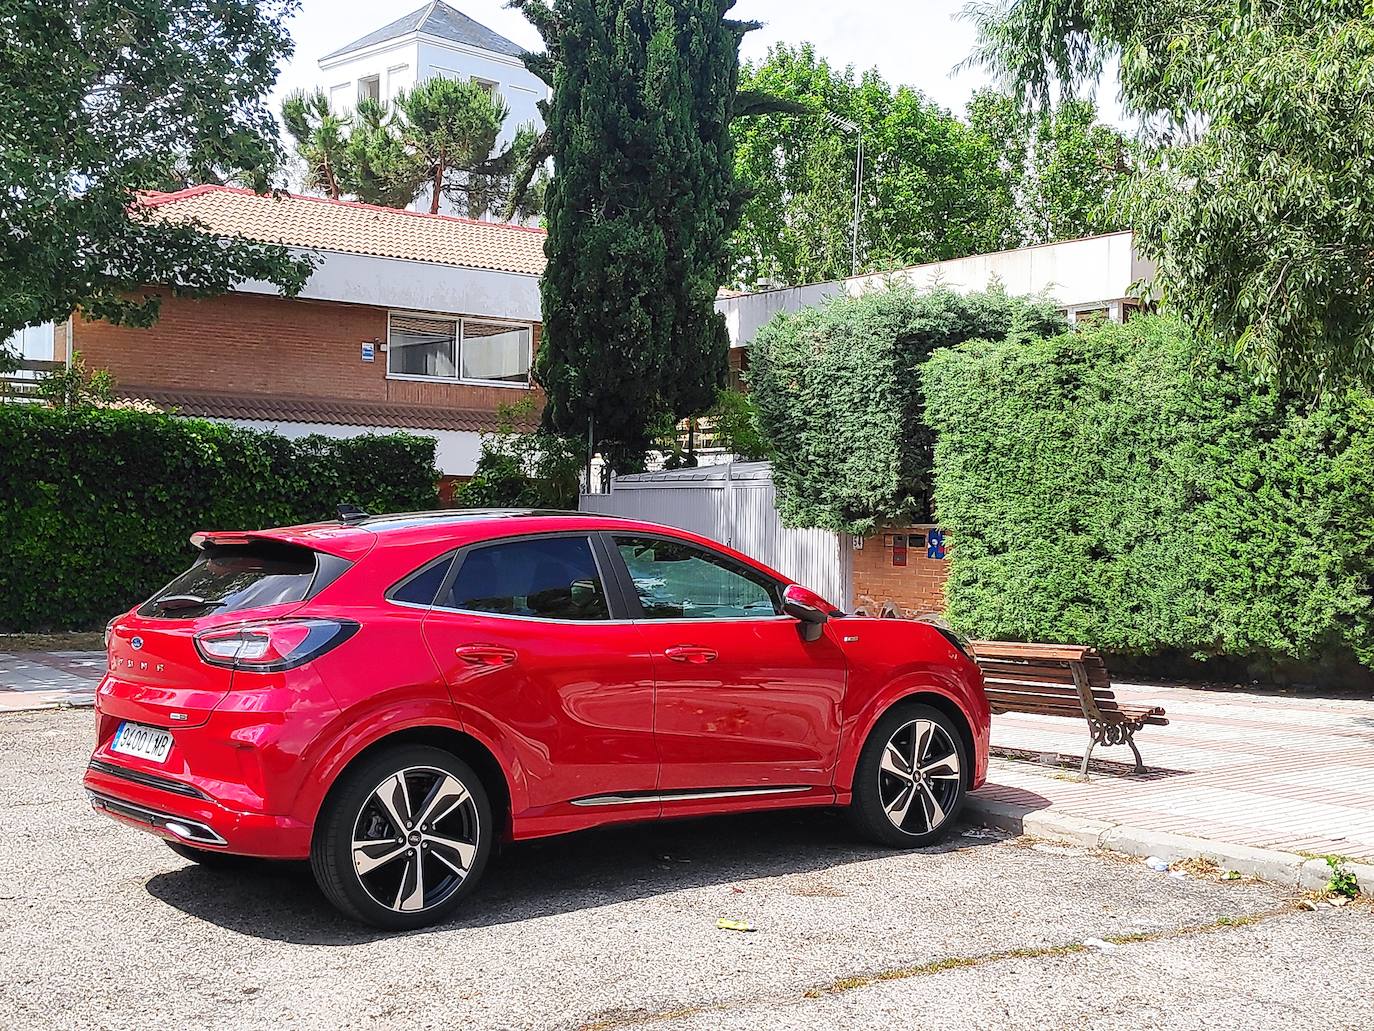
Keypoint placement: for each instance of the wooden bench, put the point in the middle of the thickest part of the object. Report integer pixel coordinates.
(1063, 680)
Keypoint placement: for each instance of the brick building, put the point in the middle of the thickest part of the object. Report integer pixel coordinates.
(410, 321)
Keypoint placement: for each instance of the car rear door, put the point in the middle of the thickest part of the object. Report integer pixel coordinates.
(525, 630)
(742, 700)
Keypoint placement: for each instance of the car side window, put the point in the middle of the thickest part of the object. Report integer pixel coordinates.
(423, 584)
(545, 577)
(677, 580)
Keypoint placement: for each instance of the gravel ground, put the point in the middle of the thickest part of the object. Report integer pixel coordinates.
(101, 926)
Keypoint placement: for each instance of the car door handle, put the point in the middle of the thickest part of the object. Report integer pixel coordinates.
(484, 655)
(690, 653)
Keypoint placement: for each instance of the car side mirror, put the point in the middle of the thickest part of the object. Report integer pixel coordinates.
(808, 608)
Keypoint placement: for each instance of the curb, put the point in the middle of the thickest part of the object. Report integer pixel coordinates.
(1286, 868)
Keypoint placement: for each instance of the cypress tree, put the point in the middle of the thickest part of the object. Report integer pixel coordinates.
(639, 209)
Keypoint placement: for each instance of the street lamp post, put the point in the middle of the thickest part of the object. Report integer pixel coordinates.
(848, 126)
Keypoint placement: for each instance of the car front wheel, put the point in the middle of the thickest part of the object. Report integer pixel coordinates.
(403, 838)
(909, 783)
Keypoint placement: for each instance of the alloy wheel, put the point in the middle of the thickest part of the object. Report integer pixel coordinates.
(918, 777)
(415, 839)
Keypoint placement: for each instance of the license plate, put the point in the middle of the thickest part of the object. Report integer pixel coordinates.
(144, 742)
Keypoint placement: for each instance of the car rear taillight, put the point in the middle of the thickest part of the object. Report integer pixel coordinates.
(272, 647)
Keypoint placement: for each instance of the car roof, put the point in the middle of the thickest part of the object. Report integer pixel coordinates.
(354, 536)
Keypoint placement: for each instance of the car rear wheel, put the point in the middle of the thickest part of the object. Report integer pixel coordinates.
(403, 838)
(909, 785)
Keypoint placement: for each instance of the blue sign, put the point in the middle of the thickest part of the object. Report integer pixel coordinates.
(935, 544)
(369, 350)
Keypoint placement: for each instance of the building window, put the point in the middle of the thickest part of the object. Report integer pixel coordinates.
(370, 88)
(420, 346)
(487, 85)
(496, 351)
(471, 350)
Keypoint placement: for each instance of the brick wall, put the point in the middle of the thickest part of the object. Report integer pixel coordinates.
(254, 344)
(914, 589)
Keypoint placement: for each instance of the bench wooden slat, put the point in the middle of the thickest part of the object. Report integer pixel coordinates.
(1016, 650)
(1100, 695)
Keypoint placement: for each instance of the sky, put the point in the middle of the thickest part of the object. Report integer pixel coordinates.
(911, 42)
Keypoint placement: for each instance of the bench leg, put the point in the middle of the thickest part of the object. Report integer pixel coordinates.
(1139, 763)
(1093, 735)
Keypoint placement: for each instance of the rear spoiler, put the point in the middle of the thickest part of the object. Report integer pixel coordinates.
(349, 542)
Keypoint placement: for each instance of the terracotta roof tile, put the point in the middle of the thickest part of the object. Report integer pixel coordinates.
(318, 223)
(278, 408)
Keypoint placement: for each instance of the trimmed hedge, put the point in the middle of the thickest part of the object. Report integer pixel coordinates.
(97, 505)
(1131, 488)
(839, 398)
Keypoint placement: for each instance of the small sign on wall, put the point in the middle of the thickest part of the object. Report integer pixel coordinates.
(899, 549)
(369, 350)
(935, 544)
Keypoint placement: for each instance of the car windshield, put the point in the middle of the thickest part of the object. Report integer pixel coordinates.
(230, 577)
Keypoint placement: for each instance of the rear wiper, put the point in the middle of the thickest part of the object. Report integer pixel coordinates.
(175, 602)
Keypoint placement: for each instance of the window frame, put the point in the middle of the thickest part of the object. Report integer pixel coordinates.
(458, 321)
(415, 574)
(616, 608)
(631, 596)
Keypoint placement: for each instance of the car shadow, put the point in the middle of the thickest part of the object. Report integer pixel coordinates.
(586, 870)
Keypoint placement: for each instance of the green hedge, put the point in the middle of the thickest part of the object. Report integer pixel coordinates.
(97, 504)
(1129, 487)
(838, 391)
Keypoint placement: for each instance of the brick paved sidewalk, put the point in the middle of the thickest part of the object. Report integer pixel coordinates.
(1280, 771)
(48, 680)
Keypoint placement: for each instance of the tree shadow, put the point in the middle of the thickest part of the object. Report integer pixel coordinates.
(546, 877)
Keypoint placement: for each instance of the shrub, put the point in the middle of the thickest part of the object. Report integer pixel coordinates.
(840, 401)
(521, 468)
(97, 504)
(1130, 488)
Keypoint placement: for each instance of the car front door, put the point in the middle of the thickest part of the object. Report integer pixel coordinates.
(742, 700)
(523, 629)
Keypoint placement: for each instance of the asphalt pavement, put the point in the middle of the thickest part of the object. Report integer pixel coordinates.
(101, 926)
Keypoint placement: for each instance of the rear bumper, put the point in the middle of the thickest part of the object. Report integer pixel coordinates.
(172, 811)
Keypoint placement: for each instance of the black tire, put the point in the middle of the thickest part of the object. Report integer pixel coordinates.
(356, 803)
(208, 858)
(936, 796)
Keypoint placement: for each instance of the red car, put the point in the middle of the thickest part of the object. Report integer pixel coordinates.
(394, 696)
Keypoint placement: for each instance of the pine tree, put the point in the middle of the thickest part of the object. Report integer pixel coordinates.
(639, 209)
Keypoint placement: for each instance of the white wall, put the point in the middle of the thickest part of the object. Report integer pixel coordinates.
(455, 455)
(416, 286)
(1077, 273)
(394, 64)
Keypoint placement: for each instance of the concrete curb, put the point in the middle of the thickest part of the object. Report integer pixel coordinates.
(1286, 868)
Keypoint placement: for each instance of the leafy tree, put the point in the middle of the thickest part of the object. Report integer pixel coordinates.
(839, 397)
(439, 139)
(639, 208)
(523, 468)
(1064, 171)
(1255, 208)
(100, 99)
(451, 128)
(321, 139)
(75, 386)
(931, 187)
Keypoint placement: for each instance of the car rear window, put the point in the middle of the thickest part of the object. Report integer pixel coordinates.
(230, 577)
(548, 578)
